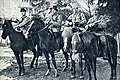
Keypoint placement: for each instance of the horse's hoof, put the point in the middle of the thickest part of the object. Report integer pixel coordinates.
(31, 66)
(84, 68)
(22, 74)
(56, 75)
(73, 76)
(19, 74)
(64, 69)
(47, 73)
(35, 66)
(81, 77)
(71, 69)
(113, 78)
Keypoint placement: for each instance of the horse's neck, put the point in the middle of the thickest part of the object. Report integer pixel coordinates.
(14, 36)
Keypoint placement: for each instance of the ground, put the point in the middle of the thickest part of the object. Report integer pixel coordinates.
(9, 68)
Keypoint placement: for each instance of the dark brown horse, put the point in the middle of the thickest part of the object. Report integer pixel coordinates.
(90, 46)
(40, 37)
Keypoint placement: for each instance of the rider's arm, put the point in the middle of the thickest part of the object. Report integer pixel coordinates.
(70, 17)
(25, 21)
(83, 19)
(58, 22)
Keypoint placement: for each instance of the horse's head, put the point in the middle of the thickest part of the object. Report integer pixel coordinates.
(6, 28)
(67, 37)
(77, 46)
(67, 44)
(77, 43)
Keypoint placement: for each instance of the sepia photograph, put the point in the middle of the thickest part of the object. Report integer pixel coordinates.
(59, 39)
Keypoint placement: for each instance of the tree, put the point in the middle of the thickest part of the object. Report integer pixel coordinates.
(106, 13)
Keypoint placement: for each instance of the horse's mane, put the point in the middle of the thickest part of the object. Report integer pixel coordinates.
(8, 22)
(38, 20)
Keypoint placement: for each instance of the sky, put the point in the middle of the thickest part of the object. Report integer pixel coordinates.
(10, 8)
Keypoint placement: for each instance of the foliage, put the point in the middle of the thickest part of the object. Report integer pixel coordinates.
(106, 13)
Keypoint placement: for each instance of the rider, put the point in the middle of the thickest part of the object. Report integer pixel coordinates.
(23, 26)
(96, 22)
(78, 18)
(100, 31)
(56, 21)
(24, 22)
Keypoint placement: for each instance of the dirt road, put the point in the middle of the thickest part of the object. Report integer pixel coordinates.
(9, 69)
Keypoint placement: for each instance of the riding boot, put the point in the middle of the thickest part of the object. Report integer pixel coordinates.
(57, 39)
(30, 42)
(105, 56)
(104, 47)
(58, 45)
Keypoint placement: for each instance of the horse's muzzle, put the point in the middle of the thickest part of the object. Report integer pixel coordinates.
(4, 37)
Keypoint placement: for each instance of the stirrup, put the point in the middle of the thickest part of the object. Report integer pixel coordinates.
(105, 57)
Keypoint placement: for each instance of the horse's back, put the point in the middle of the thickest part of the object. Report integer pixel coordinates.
(37, 25)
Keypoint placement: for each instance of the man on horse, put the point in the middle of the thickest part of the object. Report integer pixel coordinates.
(24, 22)
(78, 18)
(56, 21)
(24, 25)
(100, 31)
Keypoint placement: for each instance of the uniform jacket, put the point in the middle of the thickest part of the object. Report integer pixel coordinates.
(56, 21)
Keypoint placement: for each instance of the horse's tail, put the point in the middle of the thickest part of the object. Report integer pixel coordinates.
(93, 48)
(112, 43)
(112, 46)
(39, 47)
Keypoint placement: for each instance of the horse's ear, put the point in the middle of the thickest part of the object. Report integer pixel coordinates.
(3, 21)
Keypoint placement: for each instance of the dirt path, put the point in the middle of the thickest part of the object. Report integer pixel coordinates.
(9, 69)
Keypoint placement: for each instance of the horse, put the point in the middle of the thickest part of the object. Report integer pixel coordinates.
(89, 44)
(67, 35)
(67, 47)
(41, 38)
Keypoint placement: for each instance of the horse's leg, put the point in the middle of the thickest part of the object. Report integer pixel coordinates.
(114, 68)
(36, 63)
(114, 59)
(48, 62)
(54, 63)
(22, 62)
(81, 66)
(94, 68)
(85, 64)
(88, 63)
(66, 58)
(18, 61)
(35, 55)
(73, 72)
(111, 65)
(39, 53)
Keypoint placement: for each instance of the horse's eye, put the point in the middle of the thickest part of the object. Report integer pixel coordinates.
(5, 25)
